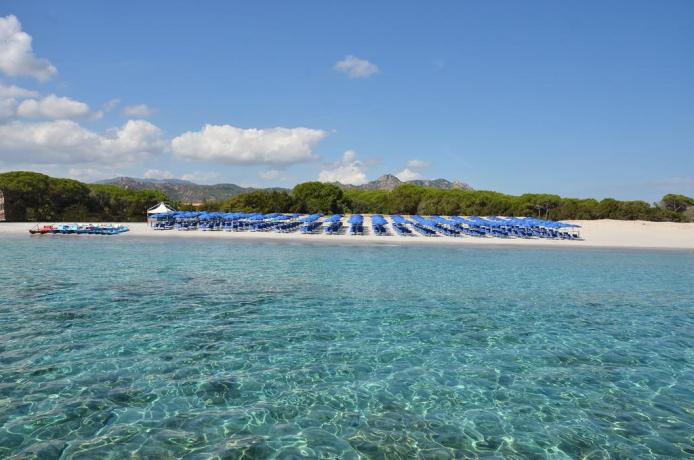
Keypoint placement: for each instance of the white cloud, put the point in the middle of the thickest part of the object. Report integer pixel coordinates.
(418, 164)
(66, 142)
(411, 172)
(52, 106)
(348, 170)
(89, 174)
(7, 108)
(408, 174)
(110, 104)
(201, 177)
(13, 91)
(355, 67)
(16, 55)
(229, 144)
(139, 111)
(8, 99)
(158, 174)
(270, 174)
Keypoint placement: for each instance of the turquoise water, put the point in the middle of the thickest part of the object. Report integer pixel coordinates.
(115, 347)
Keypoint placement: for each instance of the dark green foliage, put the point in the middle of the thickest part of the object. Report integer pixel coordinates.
(313, 197)
(123, 205)
(259, 201)
(676, 203)
(32, 196)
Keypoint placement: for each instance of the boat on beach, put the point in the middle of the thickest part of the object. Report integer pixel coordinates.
(78, 229)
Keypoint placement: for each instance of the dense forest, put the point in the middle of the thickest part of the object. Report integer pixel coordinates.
(311, 197)
(36, 197)
(32, 196)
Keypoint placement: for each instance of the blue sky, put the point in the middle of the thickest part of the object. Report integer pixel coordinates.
(576, 98)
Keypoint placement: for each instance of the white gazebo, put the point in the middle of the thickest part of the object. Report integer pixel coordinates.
(158, 209)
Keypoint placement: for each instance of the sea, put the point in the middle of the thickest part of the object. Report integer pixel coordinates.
(145, 347)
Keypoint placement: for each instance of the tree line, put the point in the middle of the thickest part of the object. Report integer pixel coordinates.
(31, 196)
(317, 197)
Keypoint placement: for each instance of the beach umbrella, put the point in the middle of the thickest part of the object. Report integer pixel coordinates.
(356, 219)
(378, 220)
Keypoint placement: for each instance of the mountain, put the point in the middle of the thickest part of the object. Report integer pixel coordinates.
(190, 192)
(389, 182)
(181, 190)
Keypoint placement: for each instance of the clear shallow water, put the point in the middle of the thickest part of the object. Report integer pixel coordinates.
(112, 347)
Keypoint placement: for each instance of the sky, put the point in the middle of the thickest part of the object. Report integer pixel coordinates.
(582, 99)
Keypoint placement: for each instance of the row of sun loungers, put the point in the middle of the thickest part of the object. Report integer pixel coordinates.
(427, 226)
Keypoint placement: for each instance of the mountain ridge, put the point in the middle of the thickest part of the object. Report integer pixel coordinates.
(389, 182)
(190, 192)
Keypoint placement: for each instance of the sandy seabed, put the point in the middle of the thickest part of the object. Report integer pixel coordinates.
(595, 233)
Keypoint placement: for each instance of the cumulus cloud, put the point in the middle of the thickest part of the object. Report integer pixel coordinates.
(52, 106)
(158, 174)
(408, 174)
(16, 54)
(411, 172)
(12, 91)
(355, 67)
(229, 144)
(270, 174)
(201, 177)
(67, 142)
(7, 108)
(138, 111)
(348, 170)
(8, 99)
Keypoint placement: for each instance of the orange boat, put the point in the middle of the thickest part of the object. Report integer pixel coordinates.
(43, 230)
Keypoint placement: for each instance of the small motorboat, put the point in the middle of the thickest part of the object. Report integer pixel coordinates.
(42, 230)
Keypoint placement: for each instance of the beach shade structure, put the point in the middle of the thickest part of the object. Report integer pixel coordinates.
(310, 218)
(356, 224)
(443, 221)
(161, 208)
(310, 223)
(424, 221)
(378, 219)
(378, 223)
(400, 225)
(463, 221)
(446, 226)
(333, 224)
(397, 219)
(484, 222)
(355, 219)
(424, 226)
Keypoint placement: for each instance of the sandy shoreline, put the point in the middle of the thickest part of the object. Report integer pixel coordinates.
(595, 233)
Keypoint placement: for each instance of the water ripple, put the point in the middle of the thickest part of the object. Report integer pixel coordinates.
(200, 349)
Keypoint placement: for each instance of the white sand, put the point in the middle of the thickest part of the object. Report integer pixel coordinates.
(595, 233)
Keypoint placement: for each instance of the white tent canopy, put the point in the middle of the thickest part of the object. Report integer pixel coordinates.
(160, 208)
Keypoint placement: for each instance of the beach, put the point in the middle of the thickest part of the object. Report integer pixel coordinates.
(594, 234)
